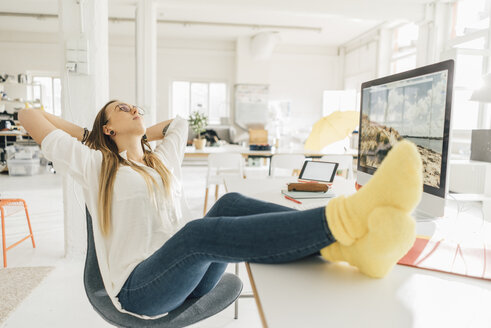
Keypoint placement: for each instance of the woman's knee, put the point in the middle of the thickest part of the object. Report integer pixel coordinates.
(226, 200)
(230, 197)
(223, 205)
(191, 226)
(196, 228)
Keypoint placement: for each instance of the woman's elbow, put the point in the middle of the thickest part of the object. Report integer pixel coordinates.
(22, 116)
(31, 119)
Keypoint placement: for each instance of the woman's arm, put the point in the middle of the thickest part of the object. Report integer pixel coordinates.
(173, 145)
(155, 131)
(39, 124)
(58, 140)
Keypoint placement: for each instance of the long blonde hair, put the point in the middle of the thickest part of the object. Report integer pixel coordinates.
(111, 160)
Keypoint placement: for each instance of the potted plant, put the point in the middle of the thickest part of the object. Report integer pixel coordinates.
(198, 122)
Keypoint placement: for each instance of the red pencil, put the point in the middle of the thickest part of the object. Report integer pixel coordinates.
(293, 200)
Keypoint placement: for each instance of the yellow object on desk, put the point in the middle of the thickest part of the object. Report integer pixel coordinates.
(332, 128)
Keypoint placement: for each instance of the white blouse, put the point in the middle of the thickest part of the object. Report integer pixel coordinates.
(139, 225)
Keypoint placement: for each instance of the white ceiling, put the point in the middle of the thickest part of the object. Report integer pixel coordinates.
(332, 22)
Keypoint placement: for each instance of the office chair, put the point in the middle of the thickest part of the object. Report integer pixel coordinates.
(190, 312)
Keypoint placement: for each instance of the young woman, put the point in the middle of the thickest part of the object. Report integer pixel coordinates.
(152, 257)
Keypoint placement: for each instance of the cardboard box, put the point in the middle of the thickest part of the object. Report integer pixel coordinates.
(258, 136)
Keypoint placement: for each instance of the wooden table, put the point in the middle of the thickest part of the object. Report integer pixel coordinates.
(191, 152)
(14, 133)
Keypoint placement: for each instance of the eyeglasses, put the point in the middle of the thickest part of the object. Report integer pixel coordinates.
(127, 108)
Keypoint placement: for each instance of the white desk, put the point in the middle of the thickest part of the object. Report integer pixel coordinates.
(314, 293)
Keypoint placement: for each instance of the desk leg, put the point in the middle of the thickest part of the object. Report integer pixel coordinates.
(256, 296)
(486, 203)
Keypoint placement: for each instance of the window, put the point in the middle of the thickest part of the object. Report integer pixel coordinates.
(404, 40)
(209, 98)
(49, 93)
(469, 16)
(467, 45)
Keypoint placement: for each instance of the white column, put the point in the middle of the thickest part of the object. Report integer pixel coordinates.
(426, 30)
(83, 34)
(146, 59)
(484, 117)
(422, 44)
(384, 51)
(436, 32)
(341, 68)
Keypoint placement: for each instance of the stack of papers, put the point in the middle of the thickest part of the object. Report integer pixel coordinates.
(308, 194)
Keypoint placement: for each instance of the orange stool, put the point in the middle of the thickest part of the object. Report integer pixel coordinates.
(15, 204)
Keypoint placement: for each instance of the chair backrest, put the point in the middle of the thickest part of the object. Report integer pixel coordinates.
(191, 311)
(224, 164)
(286, 161)
(345, 162)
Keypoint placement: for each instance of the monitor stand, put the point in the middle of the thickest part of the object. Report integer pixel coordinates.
(421, 216)
(430, 207)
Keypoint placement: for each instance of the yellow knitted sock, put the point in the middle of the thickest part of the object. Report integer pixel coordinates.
(397, 183)
(391, 235)
(373, 227)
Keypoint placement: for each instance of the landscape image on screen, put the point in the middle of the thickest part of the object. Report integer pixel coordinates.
(412, 109)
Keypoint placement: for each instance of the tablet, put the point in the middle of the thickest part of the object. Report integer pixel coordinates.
(318, 171)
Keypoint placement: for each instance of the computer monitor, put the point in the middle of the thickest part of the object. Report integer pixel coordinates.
(413, 105)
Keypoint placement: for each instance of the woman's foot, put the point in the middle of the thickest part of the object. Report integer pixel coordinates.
(391, 233)
(373, 227)
(397, 183)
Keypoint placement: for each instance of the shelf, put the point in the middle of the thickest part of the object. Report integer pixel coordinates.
(19, 102)
(25, 84)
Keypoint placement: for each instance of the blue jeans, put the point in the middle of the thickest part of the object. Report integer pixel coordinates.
(236, 229)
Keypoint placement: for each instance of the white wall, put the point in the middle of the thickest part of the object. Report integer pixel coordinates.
(302, 78)
(197, 61)
(248, 69)
(28, 53)
(299, 74)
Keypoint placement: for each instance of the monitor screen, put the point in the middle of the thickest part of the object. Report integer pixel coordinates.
(413, 105)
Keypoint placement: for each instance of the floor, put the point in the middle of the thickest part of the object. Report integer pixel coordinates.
(60, 301)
